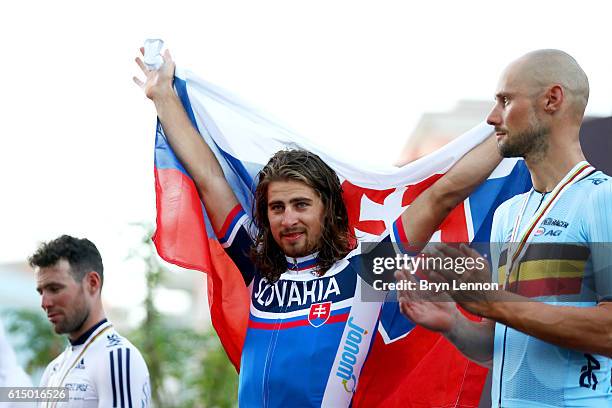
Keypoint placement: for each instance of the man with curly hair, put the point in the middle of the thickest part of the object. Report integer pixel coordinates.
(312, 312)
(99, 367)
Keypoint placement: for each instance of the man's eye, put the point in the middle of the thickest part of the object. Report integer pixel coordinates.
(505, 100)
(301, 205)
(276, 208)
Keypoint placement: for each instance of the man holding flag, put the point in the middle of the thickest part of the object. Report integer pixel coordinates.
(548, 335)
(309, 328)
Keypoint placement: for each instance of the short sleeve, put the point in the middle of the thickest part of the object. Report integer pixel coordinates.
(123, 379)
(236, 240)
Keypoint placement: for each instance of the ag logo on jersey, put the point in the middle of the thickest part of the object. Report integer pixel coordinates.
(319, 314)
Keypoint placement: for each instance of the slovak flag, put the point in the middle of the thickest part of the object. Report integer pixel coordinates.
(406, 366)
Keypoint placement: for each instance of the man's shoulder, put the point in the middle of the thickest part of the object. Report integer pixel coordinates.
(111, 342)
(596, 186)
(54, 365)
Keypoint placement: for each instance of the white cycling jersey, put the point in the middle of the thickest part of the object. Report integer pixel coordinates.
(100, 369)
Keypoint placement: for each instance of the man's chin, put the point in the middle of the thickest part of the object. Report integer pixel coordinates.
(508, 151)
(296, 252)
(59, 329)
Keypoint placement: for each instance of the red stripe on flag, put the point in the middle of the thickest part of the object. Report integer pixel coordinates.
(228, 299)
(180, 236)
(415, 190)
(421, 370)
(454, 226)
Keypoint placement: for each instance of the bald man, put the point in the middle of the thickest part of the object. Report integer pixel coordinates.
(548, 335)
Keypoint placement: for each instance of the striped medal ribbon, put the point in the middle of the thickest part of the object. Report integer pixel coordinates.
(518, 247)
(76, 360)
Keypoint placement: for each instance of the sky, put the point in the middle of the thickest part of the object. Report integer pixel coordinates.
(78, 134)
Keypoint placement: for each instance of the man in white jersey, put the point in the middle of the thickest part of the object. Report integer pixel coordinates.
(548, 335)
(99, 367)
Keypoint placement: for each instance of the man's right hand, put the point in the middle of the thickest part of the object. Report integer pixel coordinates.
(434, 311)
(190, 148)
(437, 312)
(157, 83)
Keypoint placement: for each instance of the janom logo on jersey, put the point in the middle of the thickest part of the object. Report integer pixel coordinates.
(349, 356)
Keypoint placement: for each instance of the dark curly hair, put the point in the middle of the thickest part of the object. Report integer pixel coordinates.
(308, 168)
(81, 254)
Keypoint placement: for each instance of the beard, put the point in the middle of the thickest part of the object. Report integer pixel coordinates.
(528, 143)
(74, 319)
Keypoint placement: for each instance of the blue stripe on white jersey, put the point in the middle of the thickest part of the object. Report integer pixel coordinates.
(119, 363)
(112, 373)
(120, 374)
(127, 377)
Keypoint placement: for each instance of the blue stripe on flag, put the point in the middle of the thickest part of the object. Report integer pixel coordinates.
(391, 319)
(491, 194)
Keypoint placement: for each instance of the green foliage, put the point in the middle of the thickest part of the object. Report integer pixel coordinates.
(187, 368)
(34, 333)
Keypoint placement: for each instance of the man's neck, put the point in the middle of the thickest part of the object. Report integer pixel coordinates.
(549, 169)
(92, 320)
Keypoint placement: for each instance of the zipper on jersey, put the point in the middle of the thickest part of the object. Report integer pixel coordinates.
(269, 355)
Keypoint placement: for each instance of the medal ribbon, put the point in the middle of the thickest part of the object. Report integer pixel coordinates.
(577, 173)
(89, 343)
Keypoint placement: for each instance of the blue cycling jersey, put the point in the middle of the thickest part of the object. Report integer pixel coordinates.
(307, 336)
(568, 262)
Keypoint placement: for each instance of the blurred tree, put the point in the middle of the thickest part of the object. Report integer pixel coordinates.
(187, 368)
(32, 332)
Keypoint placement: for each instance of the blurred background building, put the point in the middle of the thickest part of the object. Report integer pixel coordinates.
(435, 129)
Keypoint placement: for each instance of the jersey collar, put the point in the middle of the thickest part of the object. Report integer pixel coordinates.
(308, 263)
(86, 335)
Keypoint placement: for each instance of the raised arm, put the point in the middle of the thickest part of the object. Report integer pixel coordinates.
(189, 146)
(423, 217)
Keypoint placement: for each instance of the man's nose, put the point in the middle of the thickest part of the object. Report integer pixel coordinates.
(45, 301)
(494, 117)
(289, 217)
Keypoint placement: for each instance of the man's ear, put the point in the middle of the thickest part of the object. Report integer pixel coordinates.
(555, 96)
(93, 282)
